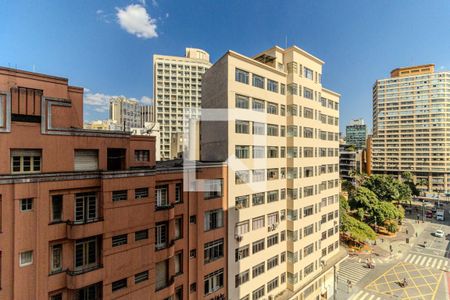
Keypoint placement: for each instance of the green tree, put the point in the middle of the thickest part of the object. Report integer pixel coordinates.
(384, 186)
(363, 198)
(358, 231)
(407, 178)
(385, 212)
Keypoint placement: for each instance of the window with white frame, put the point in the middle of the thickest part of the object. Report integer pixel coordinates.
(242, 101)
(25, 258)
(213, 188)
(242, 151)
(258, 222)
(241, 76)
(56, 258)
(213, 250)
(258, 293)
(242, 201)
(242, 227)
(213, 282)
(161, 233)
(242, 278)
(162, 199)
(26, 161)
(26, 204)
(258, 81)
(213, 219)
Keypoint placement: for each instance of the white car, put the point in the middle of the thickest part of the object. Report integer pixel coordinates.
(439, 233)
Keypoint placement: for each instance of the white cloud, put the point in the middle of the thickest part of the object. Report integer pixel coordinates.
(99, 12)
(146, 100)
(135, 20)
(99, 102)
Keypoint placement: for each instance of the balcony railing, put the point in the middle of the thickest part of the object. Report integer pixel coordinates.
(84, 221)
(83, 270)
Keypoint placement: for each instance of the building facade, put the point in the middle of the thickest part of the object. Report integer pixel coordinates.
(350, 160)
(410, 126)
(177, 85)
(270, 118)
(88, 214)
(356, 134)
(126, 113)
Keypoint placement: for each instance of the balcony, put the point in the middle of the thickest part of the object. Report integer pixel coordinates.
(79, 278)
(78, 230)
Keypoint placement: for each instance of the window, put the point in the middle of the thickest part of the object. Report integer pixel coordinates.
(308, 191)
(213, 250)
(258, 152)
(56, 258)
(86, 160)
(258, 105)
(272, 108)
(25, 161)
(141, 235)
(178, 228)
(258, 81)
(258, 269)
(161, 196)
(308, 269)
(272, 152)
(308, 172)
(161, 233)
(241, 252)
(85, 208)
(26, 204)
(141, 155)
(242, 126)
(308, 211)
(178, 261)
(242, 177)
(272, 262)
(308, 73)
(178, 193)
(308, 93)
(57, 207)
(272, 240)
(213, 188)
(193, 253)
(258, 128)
(242, 101)
(292, 89)
(242, 227)
(86, 254)
(272, 196)
(308, 132)
(119, 195)
(272, 130)
(308, 230)
(258, 222)
(308, 250)
(258, 293)
(91, 292)
(140, 277)
(213, 281)
(141, 193)
(242, 278)
(292, 131)
(242, 151)
(119, 284)
(58, 296)
(308, 152)
(258, 199)
(272, 219)
(258, 246)
(292, 110)
(241, 76)
(213, 219)
(242, 202)
(272, 86)
(283, 89)
(273, 284)
(258, 175)
(272, 174)
(308, 113)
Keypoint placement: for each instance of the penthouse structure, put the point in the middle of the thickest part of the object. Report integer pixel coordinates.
(275, 124)
(88, 214)
(410, 125)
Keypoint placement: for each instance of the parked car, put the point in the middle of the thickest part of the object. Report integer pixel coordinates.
(429, 214)
(439, 233)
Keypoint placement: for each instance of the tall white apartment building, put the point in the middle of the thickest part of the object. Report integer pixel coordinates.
(125, 112)
(177, 84)
(270, 118)
(410, 126)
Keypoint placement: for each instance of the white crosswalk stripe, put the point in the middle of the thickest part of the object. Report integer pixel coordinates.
(364, 295)
(427, 261)
(352, 270)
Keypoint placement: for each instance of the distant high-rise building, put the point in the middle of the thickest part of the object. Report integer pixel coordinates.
(275, 124)
(356, 133)
(147, 114)
(410, 126)
(125, 112)
(177, 93)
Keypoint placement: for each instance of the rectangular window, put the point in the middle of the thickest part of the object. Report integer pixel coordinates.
(258, 246)
(308, 269)
(241, 76)
(242, 177)
(272, 174)
(26, 204)
(272, 196)
(242, 227)
(161, 233)
(273, 284)
(242, 101)
(178, 192)
(213, 219)
(258, 128)
(272, 108)
(272, 219)
(242, 126)
(141, 235)
(308, 211)
(258, 105)
(141, 155)
(26, 258)
(86, 160)
(213, 282)
(213, 250)
(272, 130)
(58, 296)
(86, 208)
(213, 188)
(258, 222)
(242, 151)
(178, 228)
(258, 269)
(86, 254)
(308, 73)
(258, 175)
(242, 202)
(162, 199)
(258, 152)
(258, 81)
(242, 278)
(140, 277)
(56, 258)
(141, 193)
(178, 262)
(272, 86)
(272, 152)
(25, 161)
(308, 132)
(258, 293)
(241, 253)
(57, 206)
(272, 240)
(258, 199)
(308, 191)
(308, 230)
(308, 93)
(119, 240)
(120, 195)
(308, 113)
(272, 262)
(162, 274)
(119, 284)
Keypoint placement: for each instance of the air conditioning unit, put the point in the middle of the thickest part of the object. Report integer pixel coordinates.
(238, 237)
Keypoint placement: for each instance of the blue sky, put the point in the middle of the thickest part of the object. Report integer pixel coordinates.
(107, 46)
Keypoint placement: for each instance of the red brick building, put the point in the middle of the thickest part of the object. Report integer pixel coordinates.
(89, 214)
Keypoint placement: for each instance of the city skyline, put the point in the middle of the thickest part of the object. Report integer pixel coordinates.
(111, 54)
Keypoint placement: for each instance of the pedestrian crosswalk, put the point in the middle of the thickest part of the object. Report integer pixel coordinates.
(428, 261)
(352, 270)
(364, 295)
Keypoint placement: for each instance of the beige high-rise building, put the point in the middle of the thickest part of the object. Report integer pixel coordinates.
(410, 126)
(125, 112)
(177, 83)
(270, 118)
